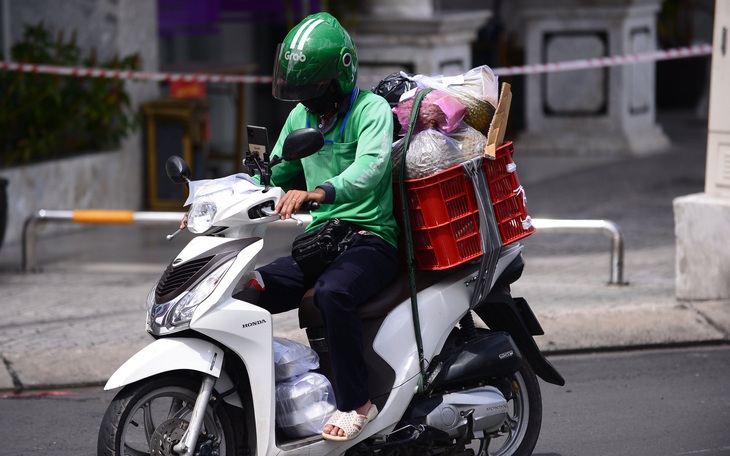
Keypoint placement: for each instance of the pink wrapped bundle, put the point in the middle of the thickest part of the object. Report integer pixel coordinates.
(438, 111)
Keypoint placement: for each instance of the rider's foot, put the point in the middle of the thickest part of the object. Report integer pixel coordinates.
(348, 425)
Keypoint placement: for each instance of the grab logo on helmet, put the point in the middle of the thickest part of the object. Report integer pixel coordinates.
(295, 56)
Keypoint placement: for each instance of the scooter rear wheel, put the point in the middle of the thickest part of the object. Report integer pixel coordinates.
(146, 418)
(522, 427)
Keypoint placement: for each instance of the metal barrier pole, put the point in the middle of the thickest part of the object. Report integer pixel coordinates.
(29, 232)
(130, 217)
(89, 216)
(606, 227)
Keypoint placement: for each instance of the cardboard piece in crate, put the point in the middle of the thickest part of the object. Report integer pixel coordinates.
(498, 126)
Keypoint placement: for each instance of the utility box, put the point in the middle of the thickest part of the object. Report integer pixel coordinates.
(173, 127)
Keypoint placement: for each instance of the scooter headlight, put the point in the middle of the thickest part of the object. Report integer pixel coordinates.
(201, 215)
(175, 315)
(151, 307)
(182, 310)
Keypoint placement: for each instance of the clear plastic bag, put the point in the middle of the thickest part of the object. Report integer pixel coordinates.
(432, 151)
(292, 359)
(471, 142)
(304, 404)
(236, 184)
(438, 110)
(477, 89)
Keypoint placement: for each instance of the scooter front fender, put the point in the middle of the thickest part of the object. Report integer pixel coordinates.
(169, 354)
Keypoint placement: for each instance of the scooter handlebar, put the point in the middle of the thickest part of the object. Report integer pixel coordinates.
(310, 205)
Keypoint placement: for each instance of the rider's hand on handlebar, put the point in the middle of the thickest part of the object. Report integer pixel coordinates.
(294, 199)
(184, 222)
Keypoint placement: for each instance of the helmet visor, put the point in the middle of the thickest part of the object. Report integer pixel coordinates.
(292, 79)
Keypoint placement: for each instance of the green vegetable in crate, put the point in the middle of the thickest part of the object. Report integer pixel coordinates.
(479, 113)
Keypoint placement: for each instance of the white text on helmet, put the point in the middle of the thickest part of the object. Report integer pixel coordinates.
(296, 56)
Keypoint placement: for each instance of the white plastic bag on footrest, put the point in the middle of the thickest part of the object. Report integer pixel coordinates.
(304, 404)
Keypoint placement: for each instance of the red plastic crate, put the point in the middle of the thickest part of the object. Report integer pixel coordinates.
(444, 214)
(508, 196)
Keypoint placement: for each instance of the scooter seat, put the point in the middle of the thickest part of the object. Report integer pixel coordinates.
(380, 304)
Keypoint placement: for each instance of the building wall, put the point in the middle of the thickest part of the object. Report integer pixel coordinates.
(109, 27)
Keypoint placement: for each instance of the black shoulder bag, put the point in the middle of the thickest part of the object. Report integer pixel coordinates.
(315, 250)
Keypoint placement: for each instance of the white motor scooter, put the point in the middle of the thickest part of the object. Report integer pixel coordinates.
(206, 385)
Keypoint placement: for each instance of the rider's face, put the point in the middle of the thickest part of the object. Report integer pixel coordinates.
(323, 104)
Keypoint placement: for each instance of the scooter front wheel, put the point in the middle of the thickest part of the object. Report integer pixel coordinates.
(149, 417)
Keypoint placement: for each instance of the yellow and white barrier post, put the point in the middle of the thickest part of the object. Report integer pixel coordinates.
(86, 216)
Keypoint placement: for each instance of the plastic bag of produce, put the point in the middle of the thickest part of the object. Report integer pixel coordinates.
(438, 111)
(471, 142)
(432, 151)
(477, 89)
(292, 359)
(304, 404)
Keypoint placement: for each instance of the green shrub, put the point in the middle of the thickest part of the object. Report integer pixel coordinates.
(44, 116)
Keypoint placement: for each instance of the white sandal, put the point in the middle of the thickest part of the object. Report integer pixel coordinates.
(351, 422)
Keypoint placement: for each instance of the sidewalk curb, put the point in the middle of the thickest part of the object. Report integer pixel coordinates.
(660, 324)
(610, 329)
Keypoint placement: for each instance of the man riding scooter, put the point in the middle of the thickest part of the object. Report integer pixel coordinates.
(350, 177)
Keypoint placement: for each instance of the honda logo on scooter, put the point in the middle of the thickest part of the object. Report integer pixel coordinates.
(253, 323)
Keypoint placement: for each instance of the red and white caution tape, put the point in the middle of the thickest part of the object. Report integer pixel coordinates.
(616, 60)
(131, 75)
(627, 59)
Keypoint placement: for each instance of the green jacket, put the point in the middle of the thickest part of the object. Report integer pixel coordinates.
(353, 167)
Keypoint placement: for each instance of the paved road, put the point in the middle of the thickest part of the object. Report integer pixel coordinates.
(670, 402)
(642, 403)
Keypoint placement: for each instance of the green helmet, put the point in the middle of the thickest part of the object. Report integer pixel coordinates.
(315, 53)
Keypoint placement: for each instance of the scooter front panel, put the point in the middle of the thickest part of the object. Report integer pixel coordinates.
(248, 331)
(199, 245)
(245, 261)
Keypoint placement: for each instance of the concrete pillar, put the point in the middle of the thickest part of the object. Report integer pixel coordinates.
(602, 111)
(702, 221)
(407, 35)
